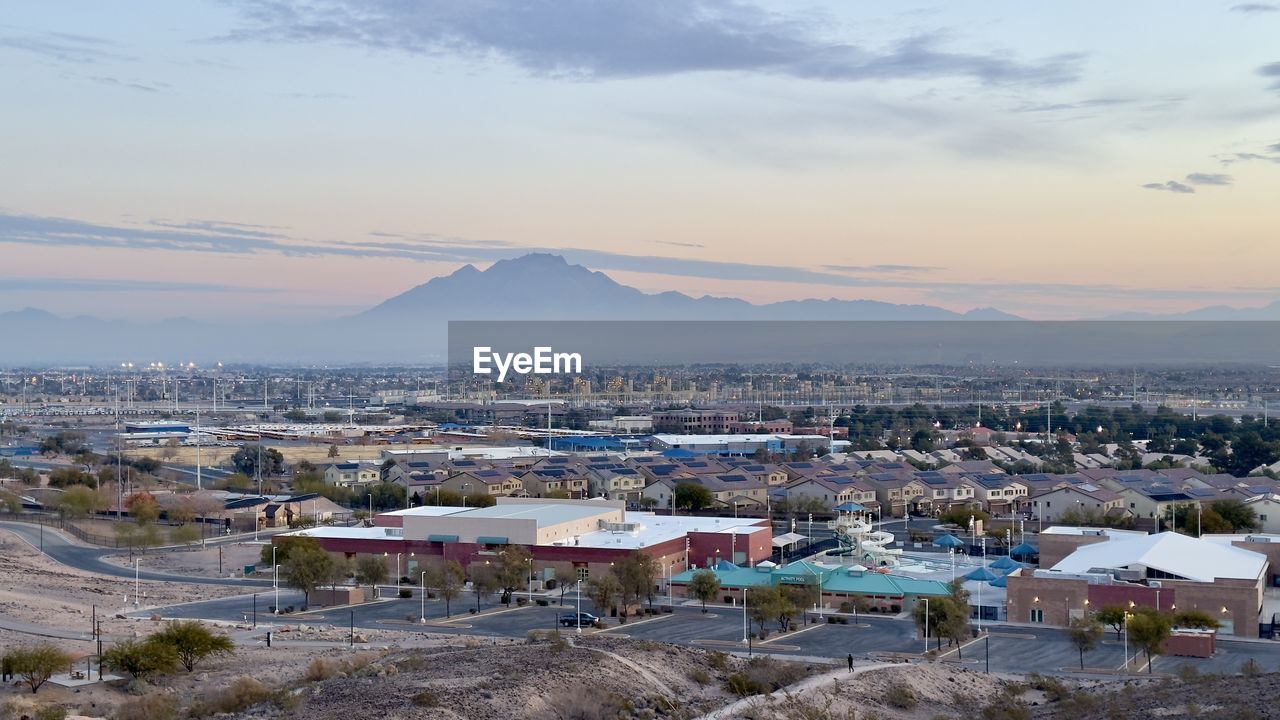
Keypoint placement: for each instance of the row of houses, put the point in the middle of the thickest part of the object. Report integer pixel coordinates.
(889, 488)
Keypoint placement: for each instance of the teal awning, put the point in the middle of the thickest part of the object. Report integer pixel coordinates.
(491, 540)
(442, 538)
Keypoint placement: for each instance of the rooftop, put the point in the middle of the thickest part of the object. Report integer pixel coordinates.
(1168, 552)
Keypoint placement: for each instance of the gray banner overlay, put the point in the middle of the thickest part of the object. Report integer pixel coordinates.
(1032, 344)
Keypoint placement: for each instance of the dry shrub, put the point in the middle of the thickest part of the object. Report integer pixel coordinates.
(242, 694)
(321, 669)
(900, 696)
(567, 705)
(153, 706)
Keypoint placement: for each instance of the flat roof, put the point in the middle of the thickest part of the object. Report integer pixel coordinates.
(427, 511)
(655, 529)
(542, 513)
(350, 533)
(1105, 532)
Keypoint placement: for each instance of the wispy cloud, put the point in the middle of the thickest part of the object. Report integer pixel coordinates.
(203, 236)
(1271, 70)
(1172, 186)
(586, 39)
(880, 269)
(112, 285)
(679, 244)
(1209, 179)
(62, 47)
(150, 87)
(1254, 8)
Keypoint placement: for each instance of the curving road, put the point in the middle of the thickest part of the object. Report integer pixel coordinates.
(93, 559)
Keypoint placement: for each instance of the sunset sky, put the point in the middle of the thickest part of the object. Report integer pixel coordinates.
(280, 158)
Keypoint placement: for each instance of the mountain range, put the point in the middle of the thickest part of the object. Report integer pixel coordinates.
(411, 327)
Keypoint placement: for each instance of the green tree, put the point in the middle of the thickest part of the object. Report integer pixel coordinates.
(192, 642)
(447, 577)
(284, 545)
(638, 575)
(763, 604)
(1235, 513)
(1113, 616)
(184, 535)
(603, 591)
(37, 663)
(1148, 629)
(308, 567)
(512, 569)
(82, 501)
(140, 658)
(484, 581)
(692, 496)
(333, 451)
(1195, 618)
(703, 586)
(245, 460)
(1085, 633)
(371, 570)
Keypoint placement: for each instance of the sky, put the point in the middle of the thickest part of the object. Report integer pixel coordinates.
(251, 158)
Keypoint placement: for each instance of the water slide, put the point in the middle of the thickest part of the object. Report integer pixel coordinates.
(859, 539)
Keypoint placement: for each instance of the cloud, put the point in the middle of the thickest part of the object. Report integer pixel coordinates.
(679, 244)
(130, 84)
(1254, 8)
(111, 285)
(1209, 179)
(1170, 186)
(880, 269)
(1271, 70)
(62, 47)
(224, 237)
(591, 40)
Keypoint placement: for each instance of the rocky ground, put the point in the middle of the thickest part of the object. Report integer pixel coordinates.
(198, 561)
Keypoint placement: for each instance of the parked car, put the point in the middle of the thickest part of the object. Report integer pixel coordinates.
(578, 619)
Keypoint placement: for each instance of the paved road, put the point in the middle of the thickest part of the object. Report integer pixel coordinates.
(91, 559)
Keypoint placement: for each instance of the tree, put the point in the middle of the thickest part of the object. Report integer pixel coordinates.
(184, 535)
(140, 658)
(193, 642)
(638, 575)
(1113, 616)
(446, 576)
(245, 460)
(1236, 514)
(763, 604)
(1194, 618)
(81, 501)
(1148, 629)
(36, 664)
(484, 580)
(284, 545)
(333, 451)
(142, 507)
(1085, 633)
(703, 586)
(308, 567)
(512, 570)
(692, 496)
(371, 570)
(603, 590)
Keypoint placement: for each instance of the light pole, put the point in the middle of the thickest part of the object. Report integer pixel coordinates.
(135, 582)
(530, 579)
(422, 593)
(951, 552)
(926, 624)
(982, 582)
(577, 623)
(744, 613)
(398, 573)
(275, 580)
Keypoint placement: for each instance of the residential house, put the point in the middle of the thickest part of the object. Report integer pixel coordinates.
(491, 482)
(347, 474)
(1084, 501)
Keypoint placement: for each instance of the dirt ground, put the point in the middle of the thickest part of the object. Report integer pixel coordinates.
(38, 590)
(197, 561)
(317, 454)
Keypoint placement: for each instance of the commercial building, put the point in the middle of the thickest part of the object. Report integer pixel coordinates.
(829, 585)
(569, 540)
(694, 421)
(1166, 570)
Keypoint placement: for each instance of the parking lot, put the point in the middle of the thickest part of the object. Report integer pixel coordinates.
(1011, 649)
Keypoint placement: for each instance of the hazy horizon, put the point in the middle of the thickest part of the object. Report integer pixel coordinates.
(245, 158)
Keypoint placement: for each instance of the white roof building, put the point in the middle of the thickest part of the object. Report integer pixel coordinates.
(1177, 556)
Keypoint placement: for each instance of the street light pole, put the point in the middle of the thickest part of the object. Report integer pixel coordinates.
(275, 579)
(135, 582)
(578, 618)
(744, 613)
(422, 593)
(926, 624)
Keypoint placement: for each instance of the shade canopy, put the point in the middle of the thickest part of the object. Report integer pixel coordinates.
(1024, 550)
(949, 541)
(1006, 563)
(1001, 581)
(981, 574)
